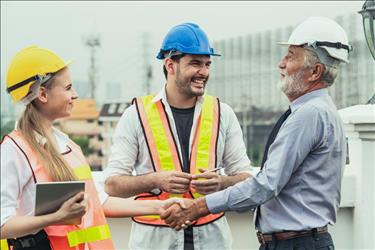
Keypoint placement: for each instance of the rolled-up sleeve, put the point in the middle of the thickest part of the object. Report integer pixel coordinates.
(235, 159)
(10, 181)
(124, 150)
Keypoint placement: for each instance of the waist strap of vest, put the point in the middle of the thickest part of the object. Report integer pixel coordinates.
(31, 240)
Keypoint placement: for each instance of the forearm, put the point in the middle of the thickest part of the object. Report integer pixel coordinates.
(126, 186)
(120, 207)
(19, 226)
(227, 181)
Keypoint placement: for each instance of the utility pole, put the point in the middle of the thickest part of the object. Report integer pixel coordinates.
(93, 42)
(147, 68)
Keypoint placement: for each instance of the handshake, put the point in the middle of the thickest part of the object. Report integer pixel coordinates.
(180, 213)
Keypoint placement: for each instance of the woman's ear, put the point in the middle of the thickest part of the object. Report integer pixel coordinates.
(42, 95)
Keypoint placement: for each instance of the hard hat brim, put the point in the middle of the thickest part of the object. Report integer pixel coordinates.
(161, 56)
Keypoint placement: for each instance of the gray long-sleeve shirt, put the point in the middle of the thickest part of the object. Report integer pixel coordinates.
(299, 186)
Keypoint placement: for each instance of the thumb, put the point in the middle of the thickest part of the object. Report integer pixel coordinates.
(169, 202)
(165, 214)
(78, 197)
(202, 170)
(181, 203)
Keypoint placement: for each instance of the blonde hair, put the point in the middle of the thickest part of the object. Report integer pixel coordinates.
(30, 126)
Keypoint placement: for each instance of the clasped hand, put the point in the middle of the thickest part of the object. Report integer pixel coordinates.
(180, 214)
(177, 182)
(183, 212)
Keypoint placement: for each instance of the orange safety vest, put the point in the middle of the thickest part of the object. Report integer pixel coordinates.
(163, 150)
(93, 230)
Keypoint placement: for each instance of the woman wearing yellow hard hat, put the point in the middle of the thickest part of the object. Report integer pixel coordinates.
(37, 152)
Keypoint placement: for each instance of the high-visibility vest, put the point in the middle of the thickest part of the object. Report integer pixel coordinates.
(163, 149)
(93, 230)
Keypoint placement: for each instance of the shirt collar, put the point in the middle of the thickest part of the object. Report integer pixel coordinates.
(162, 95)
(307, 97)
(61, 139)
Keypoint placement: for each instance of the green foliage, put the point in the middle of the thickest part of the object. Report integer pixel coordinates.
(83, 142)
(6, 128)
(256, 154)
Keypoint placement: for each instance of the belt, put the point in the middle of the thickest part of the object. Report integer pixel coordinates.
(31, 240)
(265, 238)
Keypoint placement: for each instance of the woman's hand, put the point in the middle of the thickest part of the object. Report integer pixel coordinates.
(72, 210)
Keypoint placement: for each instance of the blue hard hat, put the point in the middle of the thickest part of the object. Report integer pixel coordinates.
(186, 38)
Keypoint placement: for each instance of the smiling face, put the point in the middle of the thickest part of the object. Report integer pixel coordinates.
(191, 74)
(56, 99)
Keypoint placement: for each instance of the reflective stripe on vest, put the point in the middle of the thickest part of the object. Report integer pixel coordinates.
(4, 245)
(163, 150)
(94, 229)
(83, 172)
(88, 235)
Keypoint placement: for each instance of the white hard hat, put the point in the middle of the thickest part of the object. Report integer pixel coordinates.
(322, 32)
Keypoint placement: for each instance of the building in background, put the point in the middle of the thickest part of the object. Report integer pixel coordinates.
(109, 116)
(82, 127)
(247, 74)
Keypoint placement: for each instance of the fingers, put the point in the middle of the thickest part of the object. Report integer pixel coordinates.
(181, 179)
(178, 188)
(174, 182)
(206, 186)
(181, 174)
(77, 198)
(205, 175)
(168, 212)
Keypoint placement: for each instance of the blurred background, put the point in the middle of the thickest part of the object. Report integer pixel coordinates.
(114, 47)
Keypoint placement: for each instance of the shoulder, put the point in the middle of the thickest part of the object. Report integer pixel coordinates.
(129, 122)
(312, 111)
(16, 155)
(130, 112)
(227, 114)
(226, 110)
(14, 142)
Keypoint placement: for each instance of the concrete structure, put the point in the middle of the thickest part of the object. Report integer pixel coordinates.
(360, 130)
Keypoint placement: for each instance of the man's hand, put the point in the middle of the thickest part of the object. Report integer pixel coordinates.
(174, 182)
(179, 218)
(165, 204)
(206, 182)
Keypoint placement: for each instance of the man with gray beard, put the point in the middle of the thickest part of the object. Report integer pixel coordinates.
(297, 192)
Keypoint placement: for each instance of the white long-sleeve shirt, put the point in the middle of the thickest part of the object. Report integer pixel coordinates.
(17, 183)
(129, 153)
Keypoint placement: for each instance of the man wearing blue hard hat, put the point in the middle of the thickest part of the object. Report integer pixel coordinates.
(175, 142)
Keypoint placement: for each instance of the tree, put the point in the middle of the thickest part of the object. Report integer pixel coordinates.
(6, 128)
(83, 142)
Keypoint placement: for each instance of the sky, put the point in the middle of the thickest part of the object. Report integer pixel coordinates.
(63, 26)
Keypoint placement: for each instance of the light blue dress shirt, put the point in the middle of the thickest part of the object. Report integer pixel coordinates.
(299, 186)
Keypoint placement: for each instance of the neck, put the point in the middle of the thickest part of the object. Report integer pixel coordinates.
(312, 87)
(177, 99)
(46, 123)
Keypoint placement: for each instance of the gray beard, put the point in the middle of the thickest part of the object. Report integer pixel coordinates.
(293, 85)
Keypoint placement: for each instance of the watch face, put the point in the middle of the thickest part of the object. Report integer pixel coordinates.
(156, 191)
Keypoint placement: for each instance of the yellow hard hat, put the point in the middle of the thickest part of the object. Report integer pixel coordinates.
(29, 65)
